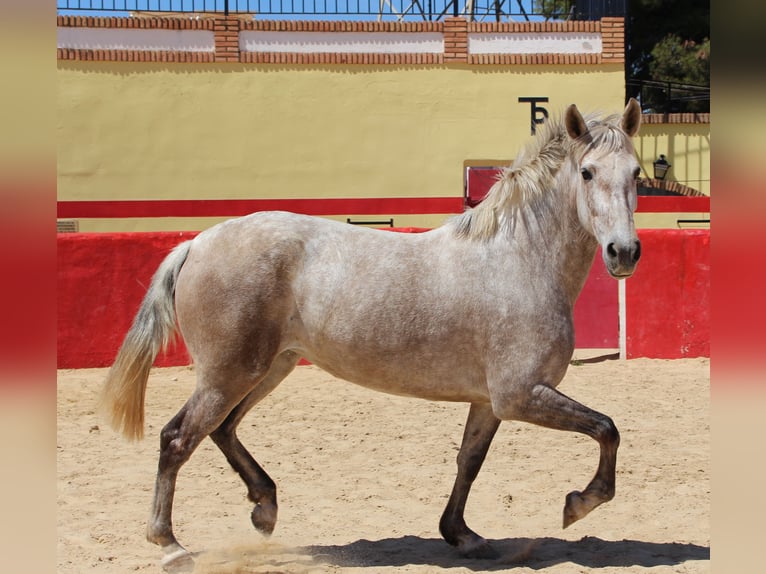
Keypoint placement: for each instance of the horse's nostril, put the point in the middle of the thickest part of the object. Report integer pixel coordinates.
(611, 251)
(637, 252)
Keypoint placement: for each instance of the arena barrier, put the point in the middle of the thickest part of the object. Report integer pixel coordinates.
(102, 278)
(667, 301)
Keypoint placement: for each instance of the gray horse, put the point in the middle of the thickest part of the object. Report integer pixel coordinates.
(478, 311)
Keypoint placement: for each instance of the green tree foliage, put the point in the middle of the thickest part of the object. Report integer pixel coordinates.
(669, 41)
(684, 67)
(554, 9)
(678, 60)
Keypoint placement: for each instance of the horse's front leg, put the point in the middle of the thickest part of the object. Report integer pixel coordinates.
(480, 428)
(545, 406)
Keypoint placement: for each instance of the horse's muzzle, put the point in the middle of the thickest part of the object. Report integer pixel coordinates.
(621, 259)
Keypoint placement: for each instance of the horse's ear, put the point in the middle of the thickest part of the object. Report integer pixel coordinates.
(574, 122)
(631, 117)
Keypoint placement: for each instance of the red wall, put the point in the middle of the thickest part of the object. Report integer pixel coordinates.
(596, 312)
(667, 301)
(103, 277)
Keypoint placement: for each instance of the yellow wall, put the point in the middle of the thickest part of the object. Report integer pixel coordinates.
(679, 220)
(231, 131)
(686, 147)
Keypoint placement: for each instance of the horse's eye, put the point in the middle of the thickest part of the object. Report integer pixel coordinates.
(586, 175)
(637, 173)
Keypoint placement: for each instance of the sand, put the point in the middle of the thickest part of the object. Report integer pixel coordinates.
(363, 478)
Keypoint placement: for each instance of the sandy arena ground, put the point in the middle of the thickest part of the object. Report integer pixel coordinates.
(363, 478)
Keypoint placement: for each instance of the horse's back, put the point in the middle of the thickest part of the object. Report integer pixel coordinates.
(268, 268)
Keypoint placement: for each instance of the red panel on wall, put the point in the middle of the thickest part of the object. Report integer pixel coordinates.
(478, 181)
(667, 301)
(672, 204)
(237, 207)
(102, 279)
(596, 312)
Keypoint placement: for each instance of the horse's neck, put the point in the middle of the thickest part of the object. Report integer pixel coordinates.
(575, 267)
(577, 247)
(553, 233)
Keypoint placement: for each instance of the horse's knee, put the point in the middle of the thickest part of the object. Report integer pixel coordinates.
(174, 450)
(607, 433)
(170, 432)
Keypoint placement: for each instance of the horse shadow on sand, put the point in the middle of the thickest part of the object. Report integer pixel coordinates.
(534, 553)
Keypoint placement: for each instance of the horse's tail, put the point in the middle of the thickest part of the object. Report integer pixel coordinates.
(122, 398)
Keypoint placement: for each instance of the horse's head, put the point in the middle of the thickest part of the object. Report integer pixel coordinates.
(607, 170)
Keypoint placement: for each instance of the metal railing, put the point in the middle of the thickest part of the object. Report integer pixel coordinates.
(669, 97)
(478, 10)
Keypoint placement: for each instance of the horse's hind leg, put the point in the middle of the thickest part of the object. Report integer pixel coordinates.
(205, 410)
(550, 408)
(261, 489)
(480, 428)
(178, 440)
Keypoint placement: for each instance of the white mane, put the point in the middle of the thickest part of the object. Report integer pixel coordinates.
(530, 183)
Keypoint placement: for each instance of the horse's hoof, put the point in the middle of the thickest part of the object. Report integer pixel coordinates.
(480, 549)
(575, 508)
(177, 562)
(264, 518)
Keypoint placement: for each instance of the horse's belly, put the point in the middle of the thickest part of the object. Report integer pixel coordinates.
(437, 378)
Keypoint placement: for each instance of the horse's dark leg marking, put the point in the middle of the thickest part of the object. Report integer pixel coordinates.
(261, 489)
(479, 430)
(550, 408)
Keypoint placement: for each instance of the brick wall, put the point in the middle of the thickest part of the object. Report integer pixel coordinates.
(455, 33)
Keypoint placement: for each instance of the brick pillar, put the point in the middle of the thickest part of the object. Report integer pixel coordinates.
(455, 40)
(226, 30)
(613, 40)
